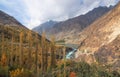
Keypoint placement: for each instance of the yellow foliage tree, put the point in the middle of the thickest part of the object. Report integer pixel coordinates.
(16, 73)
(21, 49)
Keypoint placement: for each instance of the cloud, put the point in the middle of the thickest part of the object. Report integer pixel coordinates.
(109, 2)
(34, 12)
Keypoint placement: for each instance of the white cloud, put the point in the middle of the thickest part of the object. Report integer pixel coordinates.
(34, 12)
(44, 10)
(109, 2)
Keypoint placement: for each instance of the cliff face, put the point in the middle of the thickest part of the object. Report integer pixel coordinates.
(110, 54)
(103, 31)
(102, 39)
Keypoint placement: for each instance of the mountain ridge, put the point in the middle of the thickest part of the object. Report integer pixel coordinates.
(44, 27)
(71, 27)
(6, 19)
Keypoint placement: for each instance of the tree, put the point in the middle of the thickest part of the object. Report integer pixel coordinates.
(36, 55)
(21, 49)
(2, 42)
(11, 53)
(72, 74)
(42, 52)
(53, 49)
(64, 57)
(29, 38)
(4, 60)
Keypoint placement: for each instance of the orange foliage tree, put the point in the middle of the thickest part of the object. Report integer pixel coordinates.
(4, 60)
(72, 74)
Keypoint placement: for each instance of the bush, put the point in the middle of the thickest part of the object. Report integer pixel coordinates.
(85, 70)
(21, 73)
(4, 71)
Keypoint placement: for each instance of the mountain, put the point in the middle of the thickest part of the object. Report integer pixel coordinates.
(101, 40)
(6, 19)
(45, 26)
(10, 26)
(21, 47)
(70, 28)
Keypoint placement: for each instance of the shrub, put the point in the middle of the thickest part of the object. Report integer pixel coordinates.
(21, 73)
(4, 71)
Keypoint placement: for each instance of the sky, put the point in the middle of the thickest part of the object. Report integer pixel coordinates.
(32, 13)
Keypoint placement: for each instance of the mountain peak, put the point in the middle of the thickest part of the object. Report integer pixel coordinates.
(45, 26)
(48, 22)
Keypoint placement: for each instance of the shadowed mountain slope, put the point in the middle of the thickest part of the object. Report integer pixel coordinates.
(70, 28)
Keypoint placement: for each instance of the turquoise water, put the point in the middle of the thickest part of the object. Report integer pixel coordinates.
(70, 54)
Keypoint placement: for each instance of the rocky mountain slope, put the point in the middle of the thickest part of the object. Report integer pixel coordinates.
(45, 27)
(8, 20)
(102, 38)
(71, 27)
(10, 26)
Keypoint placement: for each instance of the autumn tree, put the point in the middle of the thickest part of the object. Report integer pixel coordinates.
(2, 42)
(64, 58)
(30, 43)
(53, 49)
(4, 60)
(21, 49)
(43, 52)
(36, 55)
(72, 74)
(11, 53)
(46, 55)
